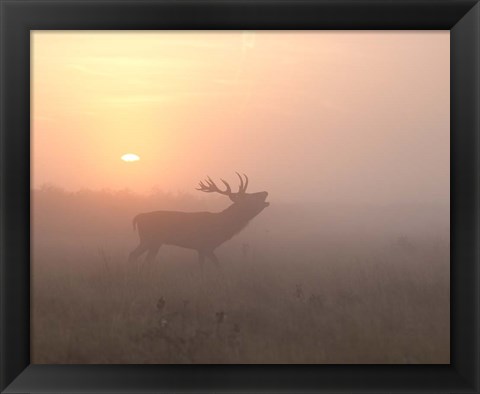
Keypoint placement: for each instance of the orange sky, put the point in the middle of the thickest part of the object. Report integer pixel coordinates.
(344, 116)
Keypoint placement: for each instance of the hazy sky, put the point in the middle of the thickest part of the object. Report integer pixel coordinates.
(318, 116)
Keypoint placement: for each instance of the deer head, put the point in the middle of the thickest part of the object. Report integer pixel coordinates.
(252, 203)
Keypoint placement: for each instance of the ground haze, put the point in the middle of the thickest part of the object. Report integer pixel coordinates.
(301, 284)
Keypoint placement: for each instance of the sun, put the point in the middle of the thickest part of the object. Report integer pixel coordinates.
(130, 157)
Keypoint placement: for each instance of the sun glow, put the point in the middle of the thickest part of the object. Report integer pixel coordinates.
(130, 157)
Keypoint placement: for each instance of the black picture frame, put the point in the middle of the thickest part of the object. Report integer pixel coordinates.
(18, 17)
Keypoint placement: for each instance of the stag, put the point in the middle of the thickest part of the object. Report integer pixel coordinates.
(200, 231)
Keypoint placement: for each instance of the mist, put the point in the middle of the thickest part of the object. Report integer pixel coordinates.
(302, 283)
(346, 260)
(310, 115)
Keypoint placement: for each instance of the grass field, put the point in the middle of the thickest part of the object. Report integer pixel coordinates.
(298, 285)
(387, 305)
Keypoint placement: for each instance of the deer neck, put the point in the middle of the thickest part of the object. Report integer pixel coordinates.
(235, 218)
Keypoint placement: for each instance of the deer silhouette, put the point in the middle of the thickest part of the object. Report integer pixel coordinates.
(201, 231)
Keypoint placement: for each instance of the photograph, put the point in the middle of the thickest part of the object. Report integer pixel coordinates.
(240, 197)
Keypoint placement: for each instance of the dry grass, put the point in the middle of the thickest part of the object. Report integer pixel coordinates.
(304, 283)
(385, 302)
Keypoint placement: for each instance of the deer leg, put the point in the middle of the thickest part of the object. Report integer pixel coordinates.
(211, 255)
(213, 258)
(140, 249)
(152, 252)
(215, 261)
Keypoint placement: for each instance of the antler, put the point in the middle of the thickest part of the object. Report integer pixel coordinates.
(243, 187)
(211, 187)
